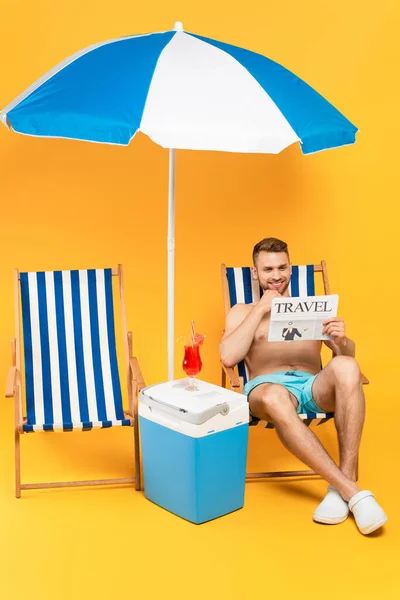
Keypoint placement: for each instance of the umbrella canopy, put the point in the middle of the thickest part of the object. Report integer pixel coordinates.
(184, 91)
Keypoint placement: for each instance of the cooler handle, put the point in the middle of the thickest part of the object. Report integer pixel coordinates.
(185, 415)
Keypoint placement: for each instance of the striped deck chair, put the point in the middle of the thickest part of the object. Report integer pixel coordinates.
(239, 287)
(70, 360)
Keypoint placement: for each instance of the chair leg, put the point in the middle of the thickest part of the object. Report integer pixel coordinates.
(17, 464)
(136, 439)
(223, 379)
(138, 485)
(273, 474)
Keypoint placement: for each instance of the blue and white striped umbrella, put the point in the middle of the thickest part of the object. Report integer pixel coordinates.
(184, 91)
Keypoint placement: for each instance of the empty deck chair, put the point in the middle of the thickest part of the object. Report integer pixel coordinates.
(70, 360)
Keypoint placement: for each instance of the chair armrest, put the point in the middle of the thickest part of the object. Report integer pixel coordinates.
(364, 380)
(11, 382)
(136, 373)
(235, 382)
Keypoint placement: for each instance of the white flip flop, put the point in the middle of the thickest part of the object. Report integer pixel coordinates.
(368, 514)
(333, 509)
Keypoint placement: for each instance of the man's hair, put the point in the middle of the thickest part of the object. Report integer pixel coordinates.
(270, 244)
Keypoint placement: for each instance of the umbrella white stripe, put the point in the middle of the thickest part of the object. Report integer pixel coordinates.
(221, 92)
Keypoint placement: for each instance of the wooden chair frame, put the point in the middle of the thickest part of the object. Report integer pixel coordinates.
(236, 382)
(134, 380)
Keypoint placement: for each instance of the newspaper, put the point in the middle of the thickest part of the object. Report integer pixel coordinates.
(300, 319)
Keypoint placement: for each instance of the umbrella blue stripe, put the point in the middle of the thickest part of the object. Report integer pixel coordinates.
(62, 348)
(28, 356)
(99, 97)
(55, 70)
(95, 338)
(80, 364)
(317, 123)
(116, 384)
(45, 349)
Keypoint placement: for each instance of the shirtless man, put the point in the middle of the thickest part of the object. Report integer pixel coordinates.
(286, 378)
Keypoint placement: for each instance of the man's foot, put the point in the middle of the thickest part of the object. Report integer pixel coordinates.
(368, 514)
(333, 509)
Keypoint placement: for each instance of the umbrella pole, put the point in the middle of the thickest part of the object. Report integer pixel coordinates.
(171, 263)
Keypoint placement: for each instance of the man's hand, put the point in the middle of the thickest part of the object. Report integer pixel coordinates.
(265, 301)
(336, 329)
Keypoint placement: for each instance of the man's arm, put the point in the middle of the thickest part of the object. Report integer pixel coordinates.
(241, 325)
(340, 345)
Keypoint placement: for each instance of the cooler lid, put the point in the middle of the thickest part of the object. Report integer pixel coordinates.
(194, 407)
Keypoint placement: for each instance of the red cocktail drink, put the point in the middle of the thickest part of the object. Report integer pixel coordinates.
(192, 364)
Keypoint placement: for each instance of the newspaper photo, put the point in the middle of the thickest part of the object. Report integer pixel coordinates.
(301, 319)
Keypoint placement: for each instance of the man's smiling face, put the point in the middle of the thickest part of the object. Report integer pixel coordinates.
(273, 270)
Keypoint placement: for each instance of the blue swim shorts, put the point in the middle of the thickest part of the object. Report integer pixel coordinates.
(297, 383)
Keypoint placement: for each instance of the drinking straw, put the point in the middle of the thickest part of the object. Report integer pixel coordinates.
(192, 333)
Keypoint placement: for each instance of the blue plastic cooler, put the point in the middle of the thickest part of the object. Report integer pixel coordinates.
(194, 448)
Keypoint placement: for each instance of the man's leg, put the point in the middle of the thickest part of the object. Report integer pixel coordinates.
(274, 403)
(338, 388)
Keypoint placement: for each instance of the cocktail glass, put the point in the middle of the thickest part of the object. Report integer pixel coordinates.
(192, 365)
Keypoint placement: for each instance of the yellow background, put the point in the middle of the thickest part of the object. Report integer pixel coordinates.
(67, 205)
